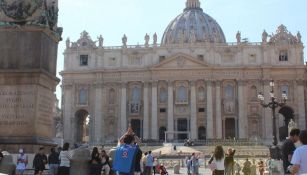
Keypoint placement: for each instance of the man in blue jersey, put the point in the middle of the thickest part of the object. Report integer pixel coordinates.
(126, 156)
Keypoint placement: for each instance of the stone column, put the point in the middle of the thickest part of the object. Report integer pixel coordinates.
(123, 107)
(98, 135)
(68, 115)
(145, 115)
(301, 106)
(154, 111)
(209, 111)
(218, 111)
(268, 120)
(193, 122)
(243, 132)
(170, 110)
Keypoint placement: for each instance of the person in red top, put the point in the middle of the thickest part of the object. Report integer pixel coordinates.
(163, 170)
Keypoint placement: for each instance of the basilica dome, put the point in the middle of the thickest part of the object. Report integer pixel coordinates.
(193, 26)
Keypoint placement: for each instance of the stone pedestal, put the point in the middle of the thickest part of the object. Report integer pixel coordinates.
(27, 84)
(80, 162)
(7, 165)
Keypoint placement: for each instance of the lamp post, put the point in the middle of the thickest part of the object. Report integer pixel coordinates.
(273, 104)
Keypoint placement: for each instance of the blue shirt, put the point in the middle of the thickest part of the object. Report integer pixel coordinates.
(124, 158)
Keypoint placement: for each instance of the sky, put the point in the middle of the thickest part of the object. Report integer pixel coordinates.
(114, 18)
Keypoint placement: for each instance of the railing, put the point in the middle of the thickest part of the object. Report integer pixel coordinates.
(182, 45)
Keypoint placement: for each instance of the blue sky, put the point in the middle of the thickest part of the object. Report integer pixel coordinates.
(135, 18)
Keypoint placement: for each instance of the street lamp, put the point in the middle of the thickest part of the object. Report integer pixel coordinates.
(273, 104)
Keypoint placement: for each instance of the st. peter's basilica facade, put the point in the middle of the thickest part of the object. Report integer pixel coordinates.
(194, 82)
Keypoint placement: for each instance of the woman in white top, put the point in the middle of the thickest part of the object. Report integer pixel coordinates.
(64, 157)
(218, 159)
(22, 161)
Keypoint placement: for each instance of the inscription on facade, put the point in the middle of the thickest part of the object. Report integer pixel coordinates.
(16, 106)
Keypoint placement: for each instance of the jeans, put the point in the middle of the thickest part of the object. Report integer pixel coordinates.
(53, 169)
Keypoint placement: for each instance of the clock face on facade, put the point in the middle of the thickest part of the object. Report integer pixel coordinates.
(19, 9)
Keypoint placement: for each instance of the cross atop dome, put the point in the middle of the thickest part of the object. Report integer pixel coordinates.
(192, 4)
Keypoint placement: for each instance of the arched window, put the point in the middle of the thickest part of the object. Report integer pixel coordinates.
(136, 94)
(181, 94)
(82, 96)
(163, 95)
(112, 96)
(201, 94)
(229, 92)
(285, 89)
(254, 93)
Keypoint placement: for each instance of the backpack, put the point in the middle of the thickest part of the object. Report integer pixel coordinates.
(124, 158)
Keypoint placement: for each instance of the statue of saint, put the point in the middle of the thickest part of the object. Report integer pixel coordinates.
(238, 36)
(100, 41)
(155, 39)
(124, 40)
(67, 43)
(299, 37)
(264, 36)
(147, 38)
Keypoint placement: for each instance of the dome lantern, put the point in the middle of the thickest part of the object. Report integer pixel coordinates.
(192, 4)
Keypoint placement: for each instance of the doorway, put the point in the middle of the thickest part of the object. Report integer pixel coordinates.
(182, 125)
(230, 128)
(136, 126)
(82, 128)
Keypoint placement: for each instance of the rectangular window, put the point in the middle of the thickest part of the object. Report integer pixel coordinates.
(200, 57)
(283, 56)
(161, 58)
(162, 110)
(201, 109)
(83, 60)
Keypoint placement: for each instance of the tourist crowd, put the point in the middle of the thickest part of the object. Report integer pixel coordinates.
(127, 159)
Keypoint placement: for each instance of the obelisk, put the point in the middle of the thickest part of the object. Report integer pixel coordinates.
(29, 39)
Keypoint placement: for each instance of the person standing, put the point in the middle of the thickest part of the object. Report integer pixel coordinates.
(261, 167)
(288, 149)
(189, 165)
(229, 162)
(254, 168)
(22, 161)
(149, 163)
(95, 162)
(218, 158)
(247, 167)
(299, 158)
(144, 160)
(138, 162)
(53, 161)
(1, 155)
(105, 162)
(64, 157)
(39, 162)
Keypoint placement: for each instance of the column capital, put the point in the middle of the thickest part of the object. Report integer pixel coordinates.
(300, 82)
(192, 82)
(170, 82)
(123, 84)
(98, 85)
(145, 83)
(208, 82)
(241, 82)
(218, 83)
(154, 82)
(68, 85)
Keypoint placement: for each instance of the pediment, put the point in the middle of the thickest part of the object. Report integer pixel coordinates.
(180, 61)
